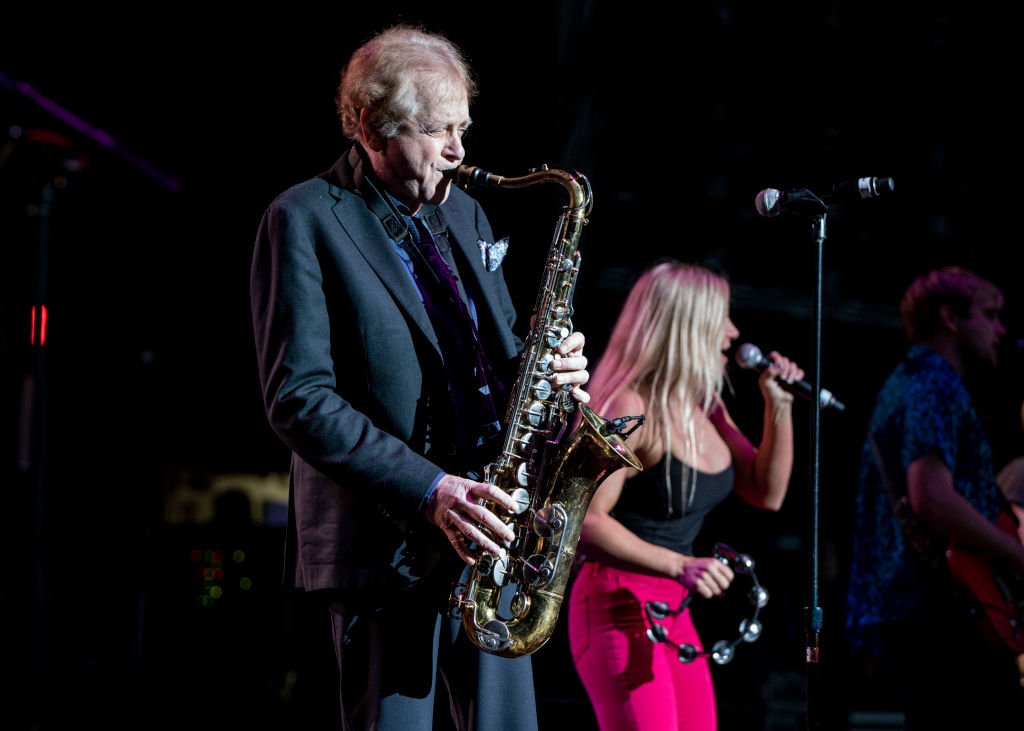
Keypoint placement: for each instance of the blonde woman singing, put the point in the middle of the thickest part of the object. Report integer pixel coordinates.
(666, 359)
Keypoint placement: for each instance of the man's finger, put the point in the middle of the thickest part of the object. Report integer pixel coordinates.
(459, 544)
(580, 395)
(574, 342)
(481, 517)
(495, 495)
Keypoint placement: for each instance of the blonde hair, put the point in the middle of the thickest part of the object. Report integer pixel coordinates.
(667, 346)
(395, 74)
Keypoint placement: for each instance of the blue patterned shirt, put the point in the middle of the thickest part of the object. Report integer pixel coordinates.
(923, 408)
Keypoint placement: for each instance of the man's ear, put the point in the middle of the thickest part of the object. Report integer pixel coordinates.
(368, 132)
(949, 318)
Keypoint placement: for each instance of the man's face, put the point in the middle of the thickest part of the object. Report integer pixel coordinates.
(979, 333)
(413, 163)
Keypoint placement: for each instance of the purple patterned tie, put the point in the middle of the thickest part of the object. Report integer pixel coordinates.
(445, 300)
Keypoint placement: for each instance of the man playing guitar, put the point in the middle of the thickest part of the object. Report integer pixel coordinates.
(927, 452)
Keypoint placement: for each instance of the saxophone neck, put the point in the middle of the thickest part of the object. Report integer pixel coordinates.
(575, 183)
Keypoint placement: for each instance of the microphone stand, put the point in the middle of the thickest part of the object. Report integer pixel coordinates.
(96, 135)
(808, 205)
(813, 612)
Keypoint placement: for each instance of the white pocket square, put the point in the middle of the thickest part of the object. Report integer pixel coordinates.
(492, 254)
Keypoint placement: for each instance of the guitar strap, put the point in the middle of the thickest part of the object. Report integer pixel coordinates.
(930, 547)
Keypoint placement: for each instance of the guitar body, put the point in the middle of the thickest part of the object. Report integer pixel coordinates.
(998, 593)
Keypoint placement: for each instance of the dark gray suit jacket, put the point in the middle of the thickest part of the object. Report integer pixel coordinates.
(352, 376)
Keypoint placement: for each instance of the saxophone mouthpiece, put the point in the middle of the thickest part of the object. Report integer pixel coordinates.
(468, 176)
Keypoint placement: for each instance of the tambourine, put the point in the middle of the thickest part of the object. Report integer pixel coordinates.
(722, 651)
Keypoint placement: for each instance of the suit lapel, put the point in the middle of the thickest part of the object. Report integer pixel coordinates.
(366, 232)
(367, 235)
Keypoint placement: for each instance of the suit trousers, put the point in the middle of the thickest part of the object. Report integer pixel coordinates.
(406, 665)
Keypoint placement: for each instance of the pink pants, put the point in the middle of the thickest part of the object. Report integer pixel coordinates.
(632, 682)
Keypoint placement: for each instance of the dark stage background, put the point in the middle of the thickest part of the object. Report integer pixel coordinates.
(143, 492)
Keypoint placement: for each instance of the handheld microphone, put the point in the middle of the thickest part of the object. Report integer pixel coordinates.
(771, 201)
(749, 356)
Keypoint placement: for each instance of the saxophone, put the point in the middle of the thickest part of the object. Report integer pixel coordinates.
(509, 606)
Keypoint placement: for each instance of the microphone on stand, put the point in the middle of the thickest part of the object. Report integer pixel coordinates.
(749, 356)
(771, 201)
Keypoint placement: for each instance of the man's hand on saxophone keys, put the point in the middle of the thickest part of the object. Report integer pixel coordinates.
(455, 508)
(571, 366)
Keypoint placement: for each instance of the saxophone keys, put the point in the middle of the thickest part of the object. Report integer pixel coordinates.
(520, 604)
(522, 498)
(538, 570)
(549, 520)
(458, 602)
(535, 412)
(555, 335)
(494, 636)
(499, 573)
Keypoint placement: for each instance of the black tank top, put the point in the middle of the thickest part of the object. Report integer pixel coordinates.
(645, 508)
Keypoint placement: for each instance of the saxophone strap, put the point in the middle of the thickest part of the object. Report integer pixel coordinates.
(398, 228)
